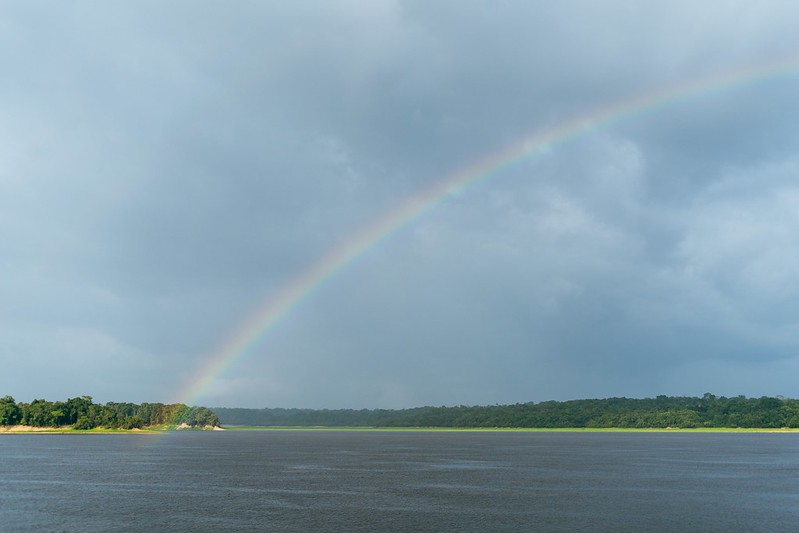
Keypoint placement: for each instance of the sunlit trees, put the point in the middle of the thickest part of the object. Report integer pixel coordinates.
(76, 408)
(81, 413)
(9, 411)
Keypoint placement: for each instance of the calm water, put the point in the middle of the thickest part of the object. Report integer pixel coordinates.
(351, 481)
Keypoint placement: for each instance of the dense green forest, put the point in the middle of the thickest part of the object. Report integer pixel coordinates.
(660, 412)
(82, 413)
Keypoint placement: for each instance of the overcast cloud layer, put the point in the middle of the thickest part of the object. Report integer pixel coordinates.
(166, 167)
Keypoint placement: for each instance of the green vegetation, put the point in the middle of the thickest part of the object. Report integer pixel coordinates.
(82, 414)
(695, 413)
(662, 412)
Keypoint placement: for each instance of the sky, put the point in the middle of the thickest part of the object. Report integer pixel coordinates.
(167, 169)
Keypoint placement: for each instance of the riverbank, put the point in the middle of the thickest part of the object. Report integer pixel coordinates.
(33, 429)
(161, 429)
(515, 430)
(70, 430)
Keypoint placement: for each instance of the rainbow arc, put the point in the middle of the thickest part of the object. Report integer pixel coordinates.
(275, 309)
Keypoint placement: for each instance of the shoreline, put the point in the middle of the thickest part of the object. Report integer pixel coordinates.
(67, 430)
(513, 430)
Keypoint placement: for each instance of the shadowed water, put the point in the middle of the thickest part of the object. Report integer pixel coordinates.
(399, 481)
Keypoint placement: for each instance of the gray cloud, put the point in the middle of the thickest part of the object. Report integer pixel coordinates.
(165, 169)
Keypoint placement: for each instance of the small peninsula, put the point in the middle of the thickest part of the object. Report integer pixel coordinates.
(83, 414)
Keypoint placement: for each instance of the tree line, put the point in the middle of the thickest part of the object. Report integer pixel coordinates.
(82, 413)
(660, 412)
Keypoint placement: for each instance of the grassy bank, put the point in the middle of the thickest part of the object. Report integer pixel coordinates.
(514, 430)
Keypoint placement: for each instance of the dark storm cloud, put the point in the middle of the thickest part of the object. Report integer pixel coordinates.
(166, 168)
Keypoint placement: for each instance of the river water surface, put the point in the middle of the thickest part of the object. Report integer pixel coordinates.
(399, 481)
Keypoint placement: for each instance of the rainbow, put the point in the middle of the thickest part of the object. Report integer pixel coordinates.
(275, 309)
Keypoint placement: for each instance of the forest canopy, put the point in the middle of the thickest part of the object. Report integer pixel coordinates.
(82, 413)
(659, 412)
